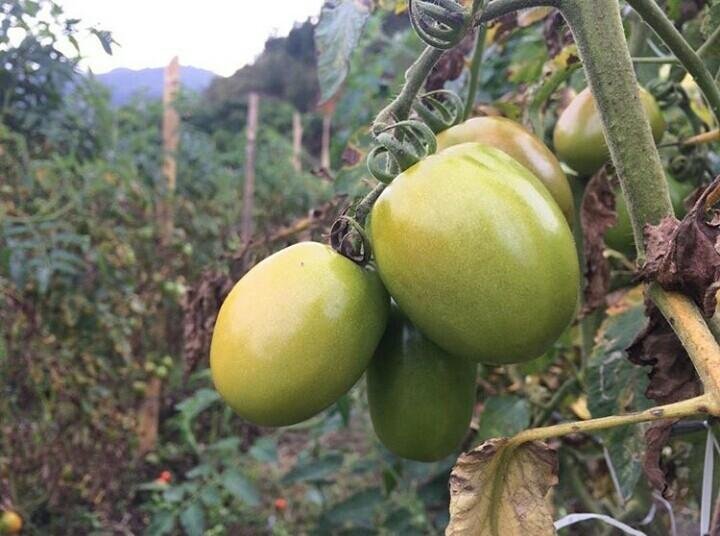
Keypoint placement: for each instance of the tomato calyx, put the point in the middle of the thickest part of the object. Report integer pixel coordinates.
(348, 238)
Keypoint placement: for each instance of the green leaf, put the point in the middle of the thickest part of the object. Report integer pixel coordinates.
(174, 494)
(197, 403)
(315, 470)
(336, 36)
(615, 384)
(210, 496)
(264, 450)
(192, 520)
(162, 522)
(237, 484)
(356, 509)
(503, 416)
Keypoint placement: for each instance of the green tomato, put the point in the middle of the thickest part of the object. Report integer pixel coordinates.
(620, 236)
(515, 140)
(421, 398)
(167, 361)
(477, 254)
(161, 372)
(295, 333)
(578, 137)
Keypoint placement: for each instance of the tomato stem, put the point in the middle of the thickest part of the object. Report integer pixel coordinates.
(475, 70)
(598, 32)
(654, 16)
(704, 404)
(498, 8)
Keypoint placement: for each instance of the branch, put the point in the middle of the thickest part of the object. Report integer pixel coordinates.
(475, 70)
(654, 16)
(399, 108)
(704, 404)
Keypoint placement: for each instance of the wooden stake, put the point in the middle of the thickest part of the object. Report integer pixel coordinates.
(149, 412)
(297, 141)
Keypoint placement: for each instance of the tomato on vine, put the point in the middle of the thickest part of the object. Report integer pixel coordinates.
(477, 254)
(10, 522)
(579, 139)
(295, 333)
(421, 398)
(518, 142)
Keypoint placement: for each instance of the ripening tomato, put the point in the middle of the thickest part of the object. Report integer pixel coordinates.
(578, 137)
(10, 523)
(421, 398)
(477, 254)
(515, 140)
(295, 333)
(620, 236)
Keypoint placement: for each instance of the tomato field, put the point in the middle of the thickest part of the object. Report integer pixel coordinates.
(420, 267)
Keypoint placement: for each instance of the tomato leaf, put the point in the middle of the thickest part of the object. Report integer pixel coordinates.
(503, 416)
(237, 484)
(192, 520)
(496, 490)
(336, 36)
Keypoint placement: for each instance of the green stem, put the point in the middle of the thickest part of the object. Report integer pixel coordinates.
(597, 28)
(708, 46)
(475, 70)
(535, 109)
(704, 404)
(555, 401)
(399, 108)
(654, 16)
(656, 59)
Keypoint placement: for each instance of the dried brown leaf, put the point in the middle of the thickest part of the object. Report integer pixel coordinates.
(597, 215)
(451, 64)
(672, 378)
(498, 490)
(556, 33)
(685, 255)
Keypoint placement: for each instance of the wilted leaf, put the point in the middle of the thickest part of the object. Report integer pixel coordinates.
(597, 215)
(503, 416)
(336, 36)
(556, 33)
(451, 64)
(672, 378)
(685, 256)
(496, 490)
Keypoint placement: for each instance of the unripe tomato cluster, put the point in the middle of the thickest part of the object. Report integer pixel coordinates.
(474, 261)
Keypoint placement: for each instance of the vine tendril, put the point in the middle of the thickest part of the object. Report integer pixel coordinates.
(439, 114)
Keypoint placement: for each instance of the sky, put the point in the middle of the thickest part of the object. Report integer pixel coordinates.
(218, 35)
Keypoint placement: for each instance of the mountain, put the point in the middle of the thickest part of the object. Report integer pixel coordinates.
(124, 83)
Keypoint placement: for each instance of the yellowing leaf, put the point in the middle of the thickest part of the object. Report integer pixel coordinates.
(501, 490)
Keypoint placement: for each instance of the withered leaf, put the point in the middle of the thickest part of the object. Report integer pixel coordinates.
(499, 490)
(672, 378)
(597, 215)
(685, 255)
(556, 33)
(451, 64)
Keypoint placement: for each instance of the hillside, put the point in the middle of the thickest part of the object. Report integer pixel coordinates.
(124, 83)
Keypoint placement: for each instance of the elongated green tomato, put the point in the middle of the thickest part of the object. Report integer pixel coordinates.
(421, 398)
(515, 140)
(620, 236)
(477, 254)
(295, 333)
(578, 137)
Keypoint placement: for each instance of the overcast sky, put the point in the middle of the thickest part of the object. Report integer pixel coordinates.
(218, 35)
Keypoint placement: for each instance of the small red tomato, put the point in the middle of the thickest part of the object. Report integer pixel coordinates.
(165, 476)
(280, 504)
